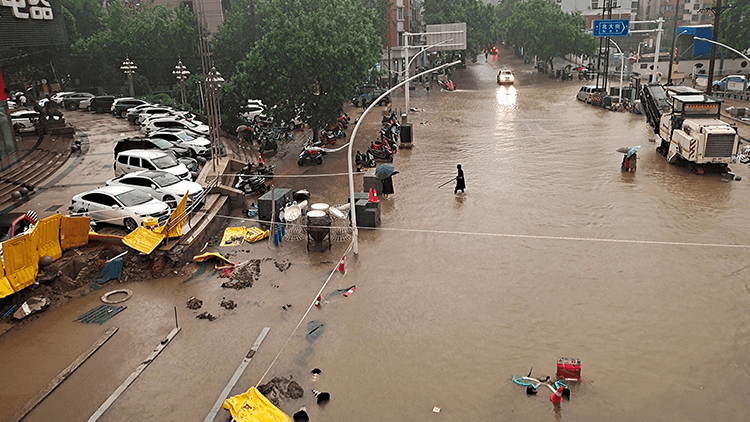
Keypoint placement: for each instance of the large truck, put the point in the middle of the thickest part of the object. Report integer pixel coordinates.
(691, 132)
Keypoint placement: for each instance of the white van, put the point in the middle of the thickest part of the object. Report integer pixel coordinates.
(584, 94)
(140, 159)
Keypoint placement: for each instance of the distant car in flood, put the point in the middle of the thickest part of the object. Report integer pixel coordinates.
(505, 76)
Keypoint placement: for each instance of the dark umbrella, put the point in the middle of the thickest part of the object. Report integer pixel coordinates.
(384, 171)
(623, 150)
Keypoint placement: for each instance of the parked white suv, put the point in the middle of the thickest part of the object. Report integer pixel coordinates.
(141, 159)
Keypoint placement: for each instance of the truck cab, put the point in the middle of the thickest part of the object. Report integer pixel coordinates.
(693, 132)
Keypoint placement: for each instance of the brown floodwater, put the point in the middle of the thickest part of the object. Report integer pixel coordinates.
(551, 252)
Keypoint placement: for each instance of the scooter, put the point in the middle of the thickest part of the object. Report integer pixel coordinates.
(254, 181)
(365, 160)
(389, 137)
(268, 143)
(310, 157)
(381, 151)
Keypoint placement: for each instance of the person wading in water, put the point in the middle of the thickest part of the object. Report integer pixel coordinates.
(460, 182)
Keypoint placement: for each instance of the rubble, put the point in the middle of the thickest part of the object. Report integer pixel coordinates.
(280, 388)
(194, 303)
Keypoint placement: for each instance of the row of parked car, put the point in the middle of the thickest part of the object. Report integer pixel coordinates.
(152, 171)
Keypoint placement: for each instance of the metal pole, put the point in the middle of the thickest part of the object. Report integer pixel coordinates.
(352, 209)
(622, 67)
(672, 55)
(659, 21)
(406, 75)
(717, 14)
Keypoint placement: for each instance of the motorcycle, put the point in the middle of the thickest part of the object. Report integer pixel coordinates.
(268, 143)
(365, 160)
(250, 180)
(310, 157)
(389, 137)
(343, 121)
(381, 151)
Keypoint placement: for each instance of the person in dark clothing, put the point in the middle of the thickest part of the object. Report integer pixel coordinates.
(388, 185)
(460, 182)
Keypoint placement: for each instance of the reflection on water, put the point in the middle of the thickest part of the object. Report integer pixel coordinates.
(506, 97)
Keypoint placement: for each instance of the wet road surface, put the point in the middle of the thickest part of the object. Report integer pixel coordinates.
(552, 252)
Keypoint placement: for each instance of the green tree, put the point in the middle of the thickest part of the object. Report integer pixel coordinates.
(482, 23)
(153, 37)
(312, 54)
(545, 30)
(735, 26)
(236, 36)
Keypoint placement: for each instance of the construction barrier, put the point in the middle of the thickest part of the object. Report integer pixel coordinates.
(145, 240)
(21, 260)
(74, 231)
(20, 255)
(5, 288)
(252, 406)
(48, 236)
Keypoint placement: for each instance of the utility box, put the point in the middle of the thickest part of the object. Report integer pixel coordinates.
(406, 135)
(368, 213)
(281, 196)
(370, 181)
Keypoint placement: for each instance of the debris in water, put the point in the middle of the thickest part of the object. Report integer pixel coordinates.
(228, 304)
(207, 316)
(194, 303)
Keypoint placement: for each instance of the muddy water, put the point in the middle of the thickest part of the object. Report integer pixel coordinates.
(551, 252)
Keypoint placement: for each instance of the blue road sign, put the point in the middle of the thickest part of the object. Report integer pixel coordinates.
(611, 27)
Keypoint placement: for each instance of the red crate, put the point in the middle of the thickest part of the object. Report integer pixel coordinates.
(569, 369)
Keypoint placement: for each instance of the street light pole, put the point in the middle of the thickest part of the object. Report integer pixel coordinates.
(352, 210)
(622, 68)
(181, 72)
(129, 68)
(408, 66)
(213, 82)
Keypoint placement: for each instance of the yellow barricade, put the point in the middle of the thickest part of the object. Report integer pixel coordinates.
(143, 240)
(176, 220)
(74, 231)
(5, 288)
(21, 260)
(252, 406)
(48, 236)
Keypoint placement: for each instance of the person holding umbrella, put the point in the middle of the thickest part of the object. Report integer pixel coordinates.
(460, 182)
(629, 159)
(384, 172)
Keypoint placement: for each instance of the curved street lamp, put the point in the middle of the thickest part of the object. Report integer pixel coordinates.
(129, 68)
(352, 210)
(181, 72)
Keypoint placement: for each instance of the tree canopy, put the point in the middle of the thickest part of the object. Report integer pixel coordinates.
(310, 57)
(735, 25)
(545, 30)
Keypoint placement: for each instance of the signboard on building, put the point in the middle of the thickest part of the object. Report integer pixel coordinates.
(28, 23)
(611, 27)
(449, 36)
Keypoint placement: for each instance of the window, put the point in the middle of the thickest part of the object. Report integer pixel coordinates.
(135, 161)
(694, 18)
(123, 159)
(400, 13)
(147, 165)
(696, 6)
(594, 5)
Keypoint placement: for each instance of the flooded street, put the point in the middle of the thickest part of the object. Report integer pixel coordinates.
(551, 252)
